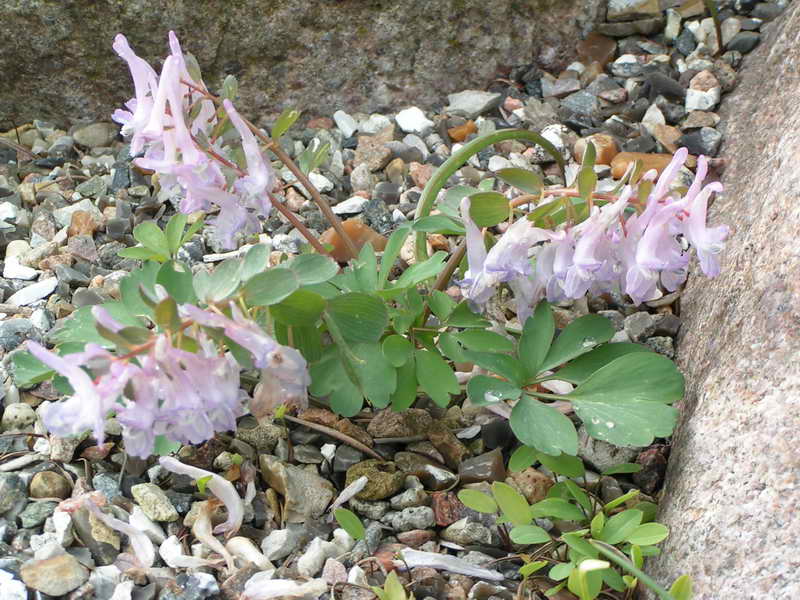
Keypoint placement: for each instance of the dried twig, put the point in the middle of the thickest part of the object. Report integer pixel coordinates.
(335, 434)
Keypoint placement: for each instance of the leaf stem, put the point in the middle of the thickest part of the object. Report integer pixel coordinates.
(457, 160)
(608, 552)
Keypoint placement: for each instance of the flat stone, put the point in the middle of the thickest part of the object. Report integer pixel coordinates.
(351, 206)
(306, 494)
(627, 65)
(484, 467)
(582, 103)
(345, 123)
(413, 120)
(96, 135)
(602, 455)
(417, 517)
(383, 479)
(54, 576)
(650, 161)
(597, 48)
(63, 216)
(18, 417)
(744, 41)
(154, 502)
(472, 103)
(388, 423)
(31, 293)
(36, 513)
(466, 532)
(531, 483)
(49, 484)
(642, 26)
(433, 476)
(451, 448)
(629, 10)
(372, 152)
(705, 140)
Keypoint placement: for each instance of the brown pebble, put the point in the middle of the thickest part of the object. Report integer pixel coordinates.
(604, 145)
(321, 123)
(704, 81)
(649, 161)
(81, 223)
(447, 508)
(356, 231)
(597, 47)
(667, 136)
(416, 537)
(420, 173)
(532, 484)
(49, 484)
(460, 133)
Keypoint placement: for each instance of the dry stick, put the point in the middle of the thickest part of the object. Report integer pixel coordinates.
(335, 434)
(292, 218)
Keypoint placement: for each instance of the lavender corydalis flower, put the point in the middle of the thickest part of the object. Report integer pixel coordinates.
(614, 249)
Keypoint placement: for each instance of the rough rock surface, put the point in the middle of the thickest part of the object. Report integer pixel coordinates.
(386, 53)
(734, 475)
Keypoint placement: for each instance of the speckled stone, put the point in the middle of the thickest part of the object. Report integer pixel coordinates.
(733, 467)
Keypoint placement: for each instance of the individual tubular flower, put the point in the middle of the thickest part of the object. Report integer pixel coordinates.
(145, 82)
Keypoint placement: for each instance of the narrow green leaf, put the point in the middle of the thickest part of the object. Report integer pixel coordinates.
(620, 501)
(142, 253)
(512, 503)
(530, 568)
(579, 545)
(648, 534)
(478, 501)
(230, 87)
(436, 377)
(522, 179)
(174, 231)
(543, 427)
(579, 495)
(587, 181)
(564, 464)
(502, 364)
(284, 122)
(487, 209)
(529, 534)
(419, 272)
(620, 526)
(390, 254)
(681, 589)
(439, 224)
(589, 156)
(623, 468)
(557, 508)
(537, 335)
(484, 341)
(579, 369)
(350, 523)
(167, 315)
(270, 287)
(462, 316)
(597, 524)
(579, 337)
(360, 317)
(484, 390)
(193, 228)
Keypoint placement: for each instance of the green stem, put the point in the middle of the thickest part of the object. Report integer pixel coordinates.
(611, 555)
(458, 159)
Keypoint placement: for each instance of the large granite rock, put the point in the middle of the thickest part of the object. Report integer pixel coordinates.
(57, 62)
(733, 485)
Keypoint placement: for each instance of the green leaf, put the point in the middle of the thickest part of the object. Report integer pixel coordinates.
(406, 391)
(286, 120)
(174, 231)
(487, 209)
(502, 364)
(365, 269)
(202, 483)
(530, 568)
(620, 501)
(623, 468)
(360, 317)
(522, 179)
(418, 273)
(564, 464)
(230, 88)
(620, 526)
(311, 269)
(522, 458)
(28, 370)
(484, 341)
(626, 402)
(377, 376)
(129, 288)
(579, 337)
(648, 534)
(681, 589)
(462, 316)
(397, 350)
(255, 261)
(390, 254)
(177, 280)
(439, 224)
(270, 287)
(579, 545)
(483, 390)
(636, 555)
(441, 304)
(589, 156)
(512, 503)
(543, 427)
(579, 495)
(560, 571)
(436, 377)
(193, 228)
(302, 307)
(80, 325)
(149, 235)
(587, 181)
(328, 378)
(537, 335)
(450, 204)
(224, 281)
(164, 446)
(597, 524)
(529, 534)
(578, 370)
(450, 348)
(167, 315)
(350, 523)
(142, 253)
(557, 508)
(478, 501)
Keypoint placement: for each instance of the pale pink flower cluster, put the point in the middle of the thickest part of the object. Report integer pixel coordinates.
(166, 119)
(613, 250)
(185, 396)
